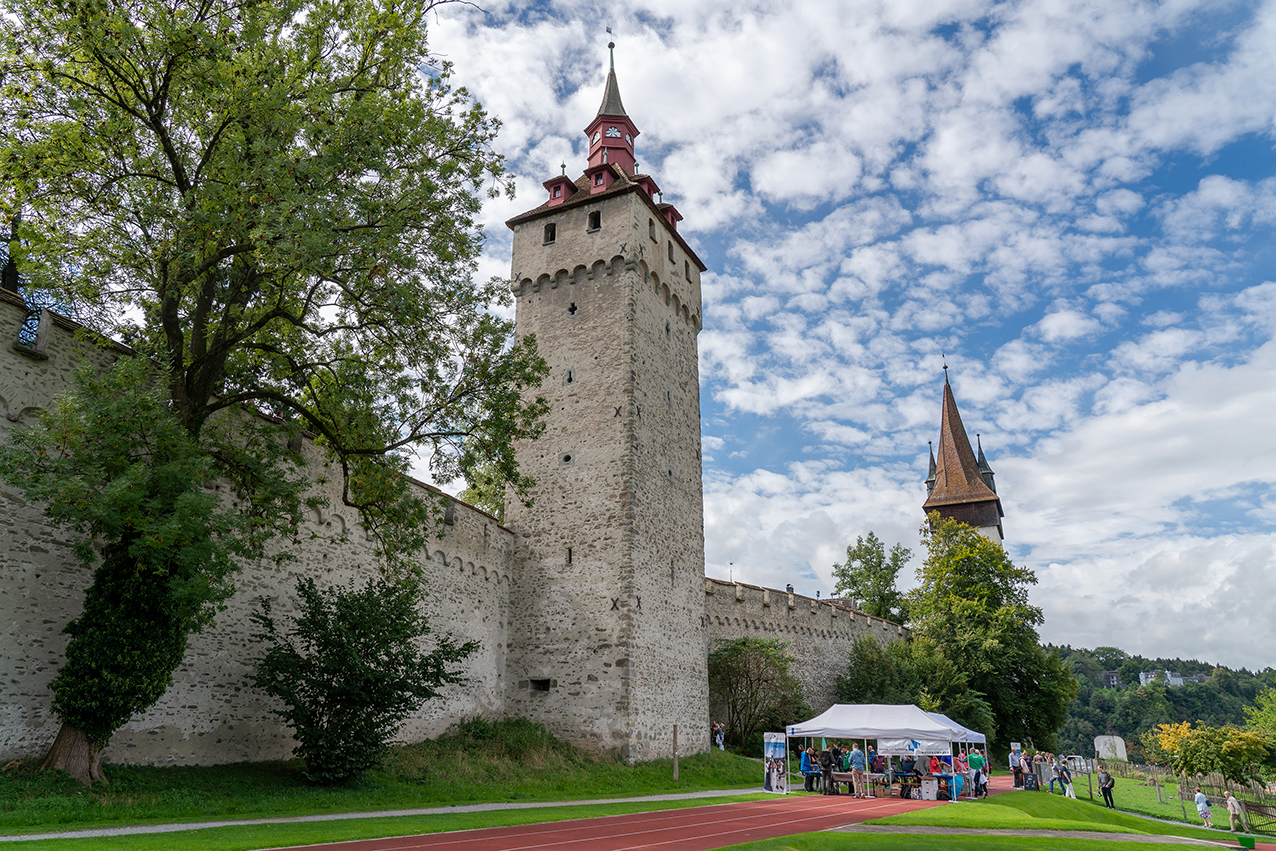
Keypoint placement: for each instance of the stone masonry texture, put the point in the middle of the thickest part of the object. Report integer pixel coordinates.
(590, 608)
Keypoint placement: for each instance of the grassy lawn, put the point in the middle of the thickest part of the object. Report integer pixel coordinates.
(1042, 811)
(1129, 795)
(280, 835)
(477, 762)
(854, 842)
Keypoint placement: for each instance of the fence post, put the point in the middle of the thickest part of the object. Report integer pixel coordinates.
(675, 751)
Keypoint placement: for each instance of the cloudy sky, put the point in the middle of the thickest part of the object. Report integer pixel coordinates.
(1073, 200)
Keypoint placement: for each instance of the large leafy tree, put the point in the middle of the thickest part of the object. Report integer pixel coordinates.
(1236, 754)
(274, 202)
(869, 574)
(972, 603)
(914, 672)
(752, 686)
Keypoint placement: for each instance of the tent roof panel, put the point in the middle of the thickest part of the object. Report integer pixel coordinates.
(873, 721)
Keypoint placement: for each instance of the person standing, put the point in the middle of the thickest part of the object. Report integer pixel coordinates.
(976, 762)
(857, 771)
(1054, 772)
(1016, 768)
(1065, 777)
(826, 770)
(1234, 810)
(1203, 807)
(720, 736)
(1106, 784)
(808, 769)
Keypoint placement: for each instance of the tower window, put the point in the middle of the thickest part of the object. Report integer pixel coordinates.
(551, 233)
(686, 268)
(566, 459)
(538, 685)
(669, 473)
(671, 251)
(651, 228)
(572, 309)
(558, 192)
(598, 178)
(668, 331)
(595, 220)
(569, 377)
(669, 396)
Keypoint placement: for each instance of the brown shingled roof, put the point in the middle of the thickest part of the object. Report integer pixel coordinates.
(957, 478)
(611, 104)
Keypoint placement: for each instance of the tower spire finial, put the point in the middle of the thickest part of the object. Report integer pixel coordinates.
(944, 358)
(611, 48)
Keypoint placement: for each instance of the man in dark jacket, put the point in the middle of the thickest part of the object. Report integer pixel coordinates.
(826, 769)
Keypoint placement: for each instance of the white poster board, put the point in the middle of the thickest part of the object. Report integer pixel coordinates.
(1110, 747)
(914, 747)
(776, 776)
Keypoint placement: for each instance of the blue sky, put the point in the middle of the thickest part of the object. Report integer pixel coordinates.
(1074, 201)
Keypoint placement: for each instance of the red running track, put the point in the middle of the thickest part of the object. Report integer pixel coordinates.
(690, 829)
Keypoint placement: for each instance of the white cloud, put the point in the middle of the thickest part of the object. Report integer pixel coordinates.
(1025, 187)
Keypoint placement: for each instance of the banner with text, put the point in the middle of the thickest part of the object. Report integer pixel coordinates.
(776, 778)
(914, 747)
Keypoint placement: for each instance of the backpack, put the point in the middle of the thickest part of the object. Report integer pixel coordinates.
(826, 759)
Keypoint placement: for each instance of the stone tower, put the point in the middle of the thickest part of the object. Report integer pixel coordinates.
(607, 640)
(960, 485)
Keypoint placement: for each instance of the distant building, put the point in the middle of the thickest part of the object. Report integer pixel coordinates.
(1171, 678)
(1111, 679)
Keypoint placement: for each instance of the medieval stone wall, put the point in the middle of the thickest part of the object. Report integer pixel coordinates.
(211, 714)
(819, 633)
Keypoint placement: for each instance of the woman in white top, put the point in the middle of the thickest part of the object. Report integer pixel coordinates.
(1203, 807)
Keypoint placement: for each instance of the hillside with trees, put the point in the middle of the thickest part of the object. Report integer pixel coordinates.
(1130, 710)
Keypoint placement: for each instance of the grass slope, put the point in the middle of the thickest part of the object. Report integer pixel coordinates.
(475, 762)
(1041, 811)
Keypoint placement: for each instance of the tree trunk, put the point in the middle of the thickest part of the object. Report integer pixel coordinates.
(72, 753)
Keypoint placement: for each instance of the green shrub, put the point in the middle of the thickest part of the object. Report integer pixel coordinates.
(351, 670)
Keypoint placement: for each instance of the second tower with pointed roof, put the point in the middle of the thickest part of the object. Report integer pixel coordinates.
(960, 486)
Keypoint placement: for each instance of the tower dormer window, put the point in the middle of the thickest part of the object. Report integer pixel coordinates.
(550, 233)
(598, 179)
(595, 220)
(558, 192)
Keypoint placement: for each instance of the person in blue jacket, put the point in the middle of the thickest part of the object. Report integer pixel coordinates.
(809, 770)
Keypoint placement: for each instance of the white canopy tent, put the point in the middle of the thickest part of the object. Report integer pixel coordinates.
(886, 721)
(873, 721)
